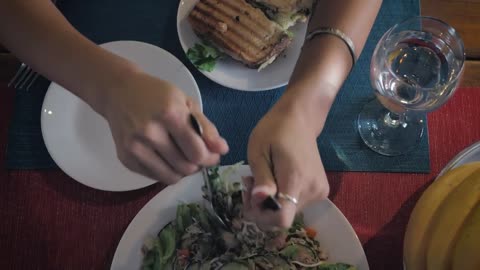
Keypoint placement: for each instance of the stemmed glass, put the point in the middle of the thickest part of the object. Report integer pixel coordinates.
(415, 68)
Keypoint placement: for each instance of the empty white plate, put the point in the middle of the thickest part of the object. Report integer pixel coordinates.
(79, 139)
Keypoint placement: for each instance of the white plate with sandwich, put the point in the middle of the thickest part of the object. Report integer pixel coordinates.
(258, 44)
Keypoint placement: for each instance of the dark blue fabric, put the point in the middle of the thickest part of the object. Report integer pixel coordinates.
(234, 112)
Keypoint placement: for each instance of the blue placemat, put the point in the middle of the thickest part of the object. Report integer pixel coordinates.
(234, 112)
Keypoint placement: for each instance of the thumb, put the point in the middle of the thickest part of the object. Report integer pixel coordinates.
(264, 184)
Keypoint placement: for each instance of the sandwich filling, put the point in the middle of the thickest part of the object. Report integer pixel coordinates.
(253, 32)
(286, 13)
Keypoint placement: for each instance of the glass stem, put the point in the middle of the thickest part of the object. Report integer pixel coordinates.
(394, 120)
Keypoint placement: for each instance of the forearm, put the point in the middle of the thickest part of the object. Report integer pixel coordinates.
(325, 61)
(37, 33)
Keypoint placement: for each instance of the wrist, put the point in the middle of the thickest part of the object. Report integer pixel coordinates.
(310, 105)
(321, 70)
(115, 74)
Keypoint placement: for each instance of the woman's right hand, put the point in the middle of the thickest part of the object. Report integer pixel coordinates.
(150, 122)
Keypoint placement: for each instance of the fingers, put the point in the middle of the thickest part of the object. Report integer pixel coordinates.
(282, 218)
(300, 183)
(264, 181)
(247, 194)
(152, 165)
(291, 182)
(190, 143)
(152, 130)
(265, 185)
(169, 148)
(290, 186)
(299, 187)
(164, 146)
(210, 135)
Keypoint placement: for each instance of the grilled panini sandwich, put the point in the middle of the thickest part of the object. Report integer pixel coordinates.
(239, 30)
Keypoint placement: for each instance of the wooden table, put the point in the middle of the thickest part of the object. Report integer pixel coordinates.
(463, 15)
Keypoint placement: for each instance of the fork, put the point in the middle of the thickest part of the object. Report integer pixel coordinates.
(209, 193)
(25, 76)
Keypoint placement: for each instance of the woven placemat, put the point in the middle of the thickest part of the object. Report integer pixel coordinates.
(235, 113)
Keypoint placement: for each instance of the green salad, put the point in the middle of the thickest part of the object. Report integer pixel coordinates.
(193, 242)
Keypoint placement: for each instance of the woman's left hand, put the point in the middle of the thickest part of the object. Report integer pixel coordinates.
(283, 153)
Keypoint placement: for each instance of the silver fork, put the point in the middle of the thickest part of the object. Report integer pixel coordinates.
(25, 76)
(209, 201)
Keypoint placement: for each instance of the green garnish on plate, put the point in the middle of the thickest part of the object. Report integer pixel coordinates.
(204, 56)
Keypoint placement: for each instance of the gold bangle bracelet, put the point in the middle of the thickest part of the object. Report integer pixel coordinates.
(333, 31)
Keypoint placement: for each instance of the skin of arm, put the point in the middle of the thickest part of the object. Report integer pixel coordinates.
(38, 34)
(325, 61)
(282, 150)
(149, 117)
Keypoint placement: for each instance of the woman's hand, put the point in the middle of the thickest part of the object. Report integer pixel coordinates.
(150, 123)
(283, 149)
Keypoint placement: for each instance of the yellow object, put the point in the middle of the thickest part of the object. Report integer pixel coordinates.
(448, 221)
(466, 255)
(418, 230)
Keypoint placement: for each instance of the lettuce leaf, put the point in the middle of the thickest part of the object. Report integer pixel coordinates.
(166, 244)
(203, 56)
(163, 250)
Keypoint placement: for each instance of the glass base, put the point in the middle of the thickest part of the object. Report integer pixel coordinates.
(385, 133)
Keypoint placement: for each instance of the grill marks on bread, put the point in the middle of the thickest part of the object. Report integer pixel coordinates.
(240, 30)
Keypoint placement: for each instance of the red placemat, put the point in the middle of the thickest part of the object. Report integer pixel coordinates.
(379, 204)
(48, 221)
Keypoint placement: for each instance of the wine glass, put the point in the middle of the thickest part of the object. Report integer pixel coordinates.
(415, 68)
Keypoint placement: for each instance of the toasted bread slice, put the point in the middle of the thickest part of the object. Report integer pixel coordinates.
(240, 30)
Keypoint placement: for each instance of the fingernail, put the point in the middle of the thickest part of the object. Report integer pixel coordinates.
(217, 144)
(227, 148)
(224, 141)
(221, 143)
(262, 191)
